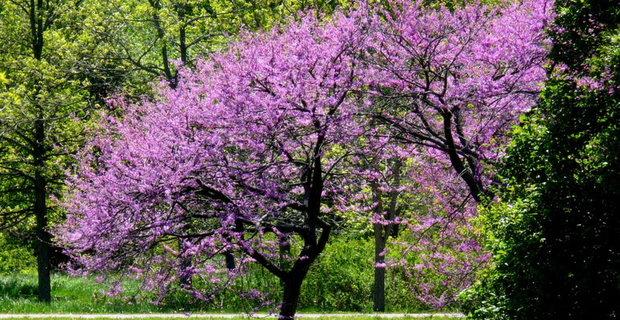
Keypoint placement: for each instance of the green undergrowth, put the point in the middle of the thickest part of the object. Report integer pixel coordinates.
(341, 280)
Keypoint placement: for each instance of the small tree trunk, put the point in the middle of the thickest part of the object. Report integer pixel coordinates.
(43, 261)
(37, 28)
(379, 292)
(185, 280)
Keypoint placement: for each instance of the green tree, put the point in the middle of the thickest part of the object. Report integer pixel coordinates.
(45, 95)
(147, 37)
(555, 233)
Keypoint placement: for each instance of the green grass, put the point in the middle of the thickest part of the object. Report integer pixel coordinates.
(18, 294)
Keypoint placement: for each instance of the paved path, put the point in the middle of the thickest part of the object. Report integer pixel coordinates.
(199, 315)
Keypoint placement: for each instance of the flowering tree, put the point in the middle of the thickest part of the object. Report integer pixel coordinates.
(238, 158)
(453, 83)
(256, 147)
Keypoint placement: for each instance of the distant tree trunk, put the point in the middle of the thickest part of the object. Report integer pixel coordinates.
(383, 232)
(379, 290)
(43, 261)
(285, 250)
(37, 27)
(185, 280)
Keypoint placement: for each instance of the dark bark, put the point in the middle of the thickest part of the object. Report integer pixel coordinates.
(161, 34)
(186, 262)
(37, 29)
(40, 212)
(230, 260)
(475, 187)
(285, 251)
(43, 240)
(294, 278)
(382, 233)
(379, 289)
(181, 9)
(290, 299)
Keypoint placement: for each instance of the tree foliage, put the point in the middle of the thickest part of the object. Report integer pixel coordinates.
(150, 39)
(238, 158)
(44, 94)
(448, 84)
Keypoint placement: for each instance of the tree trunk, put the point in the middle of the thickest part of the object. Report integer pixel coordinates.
(292, 284)
(43, 261)
(40, 211)
(379, 292)
(290, 299)
(37, 28)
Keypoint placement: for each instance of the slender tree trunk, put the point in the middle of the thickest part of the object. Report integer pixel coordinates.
(383, 233)
(36, 12)
(40, 211)
(185, 280)
(379, 290)
(43, 239)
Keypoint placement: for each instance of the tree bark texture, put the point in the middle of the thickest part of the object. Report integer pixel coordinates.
(290, 299)
(40, 212)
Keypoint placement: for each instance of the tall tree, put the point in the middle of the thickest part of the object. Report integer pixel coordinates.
(43, 97)
(241, 156)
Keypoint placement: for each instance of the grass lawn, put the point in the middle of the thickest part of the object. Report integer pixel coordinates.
(18, 294)
(75, 295)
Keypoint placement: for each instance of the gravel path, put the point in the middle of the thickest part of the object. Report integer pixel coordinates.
(256, 315)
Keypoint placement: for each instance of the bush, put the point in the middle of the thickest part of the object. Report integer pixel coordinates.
(342, 278)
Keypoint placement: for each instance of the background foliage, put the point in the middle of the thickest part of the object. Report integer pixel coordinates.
(554, 234)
